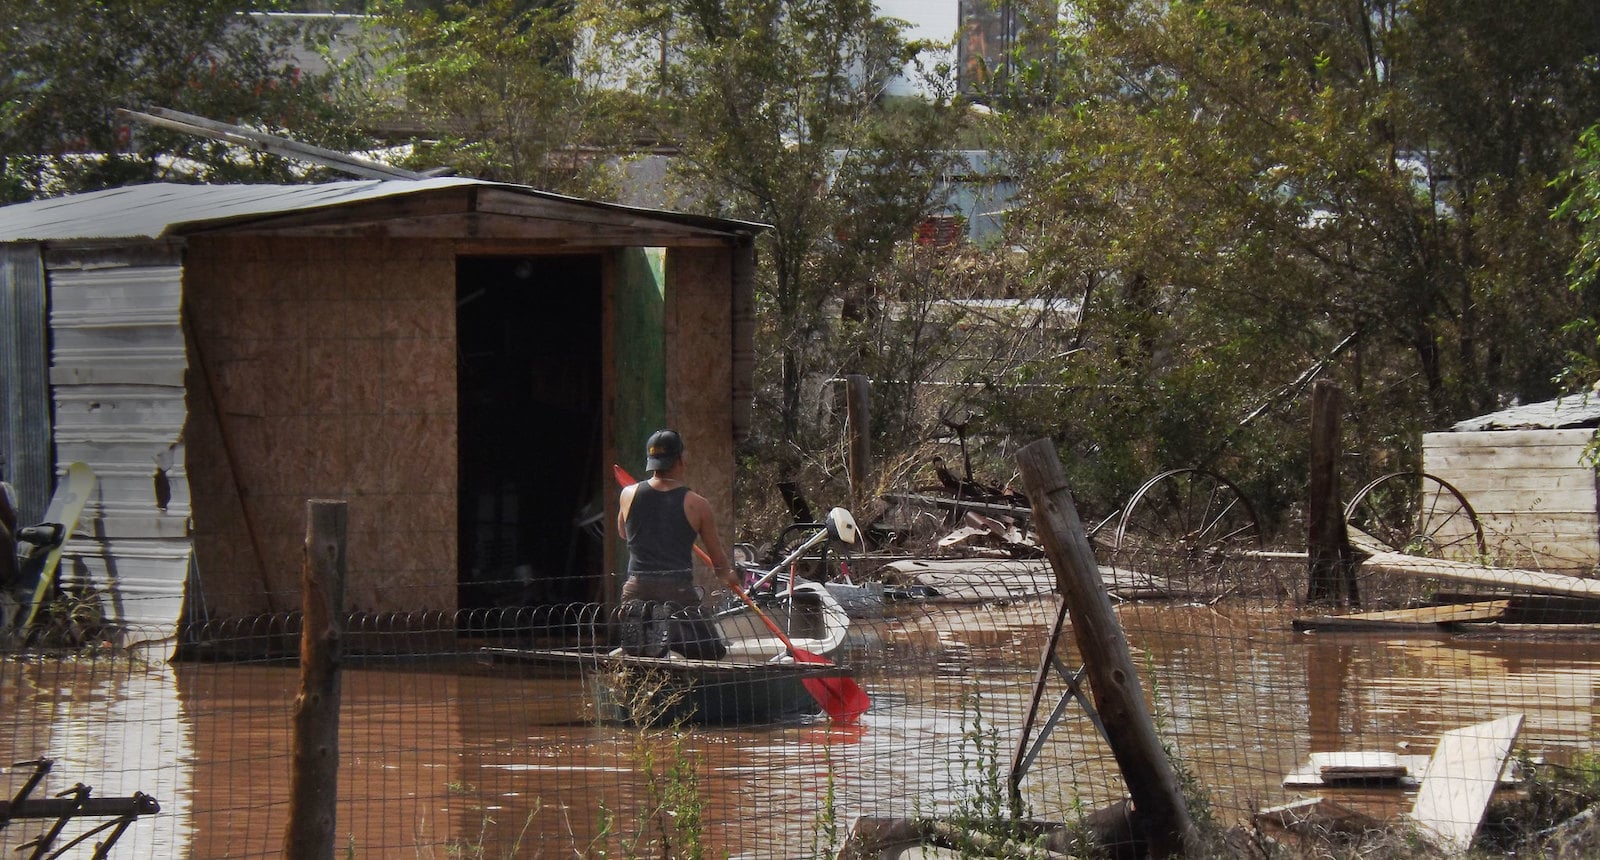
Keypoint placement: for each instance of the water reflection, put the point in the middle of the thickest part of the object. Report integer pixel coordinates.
(452, 756)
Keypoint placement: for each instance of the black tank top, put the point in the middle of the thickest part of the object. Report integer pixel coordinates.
(660, 538)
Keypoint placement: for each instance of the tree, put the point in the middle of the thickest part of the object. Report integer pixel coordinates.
(776, 111)
(1581, 207)
(1237, 188)
(71, 65)
(501, 93)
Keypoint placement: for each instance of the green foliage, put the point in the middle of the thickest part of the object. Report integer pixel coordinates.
(1232, 190)
(1581, 207)
(669, 820)
(986, 822)
(777, 112)
(69, 66)
(1527, 824)
(503, 94)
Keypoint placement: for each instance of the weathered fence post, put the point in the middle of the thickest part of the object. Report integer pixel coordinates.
(1160, 811)
(858, 389)
(314, 782)
(1331, 560)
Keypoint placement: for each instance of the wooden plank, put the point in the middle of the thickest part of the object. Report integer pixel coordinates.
(1555, 478)
(1315, 818)
(1442, 460)
(1534, 581)
(1422, 618)
(1507, 438)
(1461, 777)
(1479, 611)
(1548, 522)
(1325, 769)
(1575, 504)
(980, 579)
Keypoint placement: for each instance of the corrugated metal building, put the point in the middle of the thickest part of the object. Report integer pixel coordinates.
(460, 360)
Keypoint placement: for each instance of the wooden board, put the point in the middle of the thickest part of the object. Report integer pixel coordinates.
(1461, 777)
(983, 579)
(1366, 769)
(1424, 617)
(1533, 581)
(1534, 494)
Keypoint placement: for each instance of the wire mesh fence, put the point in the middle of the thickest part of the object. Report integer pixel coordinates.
(518, 732)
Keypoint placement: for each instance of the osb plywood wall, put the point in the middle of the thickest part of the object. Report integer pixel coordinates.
(699, 359)
(333, 363)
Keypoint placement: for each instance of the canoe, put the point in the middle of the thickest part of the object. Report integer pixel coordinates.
(664, 691)
(757, 682)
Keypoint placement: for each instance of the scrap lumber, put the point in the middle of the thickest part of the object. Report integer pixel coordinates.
(1462, 775)
(993, 509)
(1316, 817)
(986, 579)
(1358, 768)
(1419, 619)
(1534, 581)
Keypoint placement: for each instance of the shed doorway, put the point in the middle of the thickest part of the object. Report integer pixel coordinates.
(528, 335)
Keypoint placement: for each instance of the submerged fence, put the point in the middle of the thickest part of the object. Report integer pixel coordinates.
(455, 741)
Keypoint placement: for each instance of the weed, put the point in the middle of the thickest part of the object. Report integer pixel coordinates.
(986, 821)
(825, 830)
(1552, 794)
(670, 821)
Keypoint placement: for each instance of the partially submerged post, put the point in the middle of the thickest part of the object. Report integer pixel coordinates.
(1332, 561)
(314, 782)
(858, 389)
(1160, 812)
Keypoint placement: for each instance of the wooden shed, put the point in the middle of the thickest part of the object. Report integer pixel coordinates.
(1526, 474)
(460, 360)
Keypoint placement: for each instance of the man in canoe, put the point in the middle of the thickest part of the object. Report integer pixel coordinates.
(661, 518)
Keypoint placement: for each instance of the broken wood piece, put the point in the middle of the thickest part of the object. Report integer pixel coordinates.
(1537, 582)
(1462, 775)
(1358, 768)
(1316, 817)
(987, 579)
(1345, 767)
(1423, 619)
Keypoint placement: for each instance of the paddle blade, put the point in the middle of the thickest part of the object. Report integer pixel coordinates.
(842, 698)
(621, 475)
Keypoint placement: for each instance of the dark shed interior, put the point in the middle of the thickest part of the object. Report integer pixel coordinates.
(529, 335)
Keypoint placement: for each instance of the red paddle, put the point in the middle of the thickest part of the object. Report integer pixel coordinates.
(841, 697)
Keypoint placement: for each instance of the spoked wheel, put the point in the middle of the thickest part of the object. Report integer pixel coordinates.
(1417, 514)
(1193, 513)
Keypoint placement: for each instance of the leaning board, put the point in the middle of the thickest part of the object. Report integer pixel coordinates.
(1461, 777)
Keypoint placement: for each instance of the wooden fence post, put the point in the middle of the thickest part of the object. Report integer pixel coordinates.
(858, 412)
(1160, 812)
(314, 781)
(1330, 558)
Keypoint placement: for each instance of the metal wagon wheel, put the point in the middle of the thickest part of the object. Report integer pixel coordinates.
(1418, 514)
(1195, 513)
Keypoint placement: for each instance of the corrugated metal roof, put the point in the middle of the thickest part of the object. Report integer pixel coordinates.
(1577, 410)
(162, 209)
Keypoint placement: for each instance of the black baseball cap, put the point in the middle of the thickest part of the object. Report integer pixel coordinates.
(663, 450)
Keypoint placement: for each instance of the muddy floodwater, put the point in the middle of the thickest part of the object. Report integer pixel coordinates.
(444, 757)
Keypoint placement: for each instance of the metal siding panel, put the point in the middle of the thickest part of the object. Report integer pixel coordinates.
(117, 369)
(24, 381)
